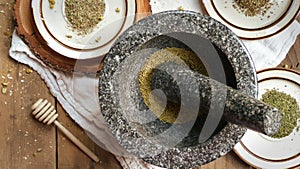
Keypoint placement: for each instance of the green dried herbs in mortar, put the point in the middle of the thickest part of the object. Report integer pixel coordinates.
(84, 15)
(288, 107)
(177, 55)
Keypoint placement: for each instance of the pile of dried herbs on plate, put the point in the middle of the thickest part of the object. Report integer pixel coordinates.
(252, 7)
(288, 107)
(84, 15)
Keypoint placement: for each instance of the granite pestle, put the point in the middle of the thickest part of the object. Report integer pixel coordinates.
(193, 90)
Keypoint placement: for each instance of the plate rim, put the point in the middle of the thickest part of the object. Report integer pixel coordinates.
(269, 160)
(278, 68)
(251, 164)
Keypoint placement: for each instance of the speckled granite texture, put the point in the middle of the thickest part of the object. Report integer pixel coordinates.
(125, 113)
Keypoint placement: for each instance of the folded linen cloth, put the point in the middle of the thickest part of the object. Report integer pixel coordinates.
(78, 94)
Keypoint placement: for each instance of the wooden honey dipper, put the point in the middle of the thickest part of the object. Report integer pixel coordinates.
(44, 112)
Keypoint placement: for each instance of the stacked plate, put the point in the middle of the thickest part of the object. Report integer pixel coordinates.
(55, 29)
(51, 37)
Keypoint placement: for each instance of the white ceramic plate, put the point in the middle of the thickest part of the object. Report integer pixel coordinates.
(262, 151)
(55, 28)
(278, 17)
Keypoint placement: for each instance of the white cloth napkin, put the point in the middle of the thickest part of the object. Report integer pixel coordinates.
(78, 94)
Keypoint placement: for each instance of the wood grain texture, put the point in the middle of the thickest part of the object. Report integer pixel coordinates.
(26, 143)
(21, 135)
(143, 9)
(293, 57)
(69, 156)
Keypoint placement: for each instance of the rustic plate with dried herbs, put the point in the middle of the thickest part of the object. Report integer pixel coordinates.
(253, 19)
(82, 29)
(280, 88)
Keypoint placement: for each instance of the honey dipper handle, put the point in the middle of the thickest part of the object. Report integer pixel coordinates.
(76, 141)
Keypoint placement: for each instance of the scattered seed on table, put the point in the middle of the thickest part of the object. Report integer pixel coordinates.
(4, 84)
(28, 71)
(4, 90)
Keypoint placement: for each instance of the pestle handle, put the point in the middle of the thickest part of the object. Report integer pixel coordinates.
(238, 107)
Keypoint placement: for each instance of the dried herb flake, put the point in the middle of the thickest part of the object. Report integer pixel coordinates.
(180, 8)
(4, 90)
(52, 3)
(28, 71)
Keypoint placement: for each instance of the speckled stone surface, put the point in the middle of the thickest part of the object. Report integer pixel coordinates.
(116, 105)
(210, 94)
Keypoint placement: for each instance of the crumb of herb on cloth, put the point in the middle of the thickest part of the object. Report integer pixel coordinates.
(180, 8)
(288, 107)
(84, 15)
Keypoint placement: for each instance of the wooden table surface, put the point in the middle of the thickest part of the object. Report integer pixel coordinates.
(26, 143)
